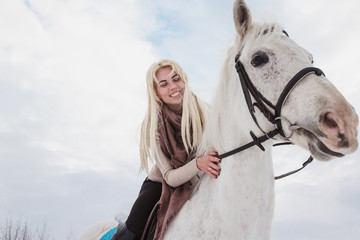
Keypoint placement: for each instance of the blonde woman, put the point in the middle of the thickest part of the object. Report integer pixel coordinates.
(170, 132)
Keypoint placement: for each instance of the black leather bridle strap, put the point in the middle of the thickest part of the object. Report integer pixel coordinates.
(256, 142)
(310, 159)
(287, 90)
(248, 88)
(260, 101)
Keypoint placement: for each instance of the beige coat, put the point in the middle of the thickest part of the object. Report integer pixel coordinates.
(173, 177)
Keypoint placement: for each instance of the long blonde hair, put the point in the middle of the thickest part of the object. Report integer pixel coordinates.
(192, 121)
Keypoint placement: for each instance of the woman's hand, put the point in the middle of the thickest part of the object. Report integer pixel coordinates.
(209, 163)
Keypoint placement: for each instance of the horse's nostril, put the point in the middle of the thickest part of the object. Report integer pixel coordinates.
(328, 121)
(343, 140)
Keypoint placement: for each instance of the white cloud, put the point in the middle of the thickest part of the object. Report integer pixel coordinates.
(329, 31)
(72, 98)
(83, 70)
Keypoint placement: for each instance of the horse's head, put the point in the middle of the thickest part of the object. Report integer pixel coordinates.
(326, 122)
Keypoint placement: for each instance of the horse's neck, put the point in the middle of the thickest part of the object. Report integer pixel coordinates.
(246, 180)
(229, 123)
(242, 197)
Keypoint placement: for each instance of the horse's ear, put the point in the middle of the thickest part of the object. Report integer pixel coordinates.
(242, 17)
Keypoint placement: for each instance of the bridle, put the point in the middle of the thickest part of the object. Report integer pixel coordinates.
(273, 115)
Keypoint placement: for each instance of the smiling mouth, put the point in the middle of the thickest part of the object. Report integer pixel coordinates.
(317, 148)
(176, 94)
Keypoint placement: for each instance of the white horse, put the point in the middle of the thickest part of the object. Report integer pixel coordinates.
(313, 115)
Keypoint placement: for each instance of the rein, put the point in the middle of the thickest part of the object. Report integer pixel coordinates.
(275, 118)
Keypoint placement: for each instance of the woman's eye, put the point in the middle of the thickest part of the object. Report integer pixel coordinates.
(176, 78)
(162, 84)
(259, 59)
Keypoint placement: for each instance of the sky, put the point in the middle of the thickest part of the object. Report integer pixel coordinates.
(72, 98)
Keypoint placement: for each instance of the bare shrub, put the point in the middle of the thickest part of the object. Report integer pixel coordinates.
(16, 231)
(21, 230)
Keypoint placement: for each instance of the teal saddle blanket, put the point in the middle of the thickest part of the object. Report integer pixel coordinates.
(109, 234)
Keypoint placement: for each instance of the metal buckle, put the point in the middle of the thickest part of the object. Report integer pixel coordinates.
(292, 127)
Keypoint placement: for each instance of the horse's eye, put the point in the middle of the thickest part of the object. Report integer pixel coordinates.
(259, 59)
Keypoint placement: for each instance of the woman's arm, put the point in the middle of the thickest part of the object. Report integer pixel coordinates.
(183, 174)
(176, 177)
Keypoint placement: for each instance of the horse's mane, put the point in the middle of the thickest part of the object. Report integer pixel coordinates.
(226, 78)
(228, 73)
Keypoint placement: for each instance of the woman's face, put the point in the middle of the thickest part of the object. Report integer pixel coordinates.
(170, 87)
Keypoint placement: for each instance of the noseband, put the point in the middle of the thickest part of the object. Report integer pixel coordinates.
(273, 115)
